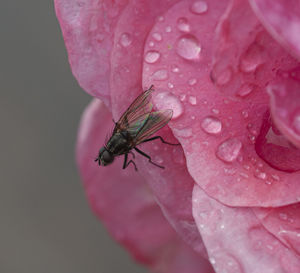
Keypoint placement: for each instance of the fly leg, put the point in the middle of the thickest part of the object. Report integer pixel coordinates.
(125, 164)
(162, 140)
(149, 158)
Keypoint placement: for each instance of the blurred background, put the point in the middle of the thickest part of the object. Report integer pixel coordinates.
(46, 224)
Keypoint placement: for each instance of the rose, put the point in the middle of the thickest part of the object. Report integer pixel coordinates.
(229, 71)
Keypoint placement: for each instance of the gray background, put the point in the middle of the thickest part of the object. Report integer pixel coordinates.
(46, 225)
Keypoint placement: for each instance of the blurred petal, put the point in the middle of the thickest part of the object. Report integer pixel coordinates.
(237, 242)
(126, 206)
(282, 19)
(88, 30)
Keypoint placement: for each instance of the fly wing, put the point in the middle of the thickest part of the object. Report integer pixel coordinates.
(155, 121)
(137, 113)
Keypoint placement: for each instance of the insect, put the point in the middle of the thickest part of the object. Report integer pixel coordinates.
(134, 127)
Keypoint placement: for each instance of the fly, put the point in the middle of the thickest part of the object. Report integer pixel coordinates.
(135, 127)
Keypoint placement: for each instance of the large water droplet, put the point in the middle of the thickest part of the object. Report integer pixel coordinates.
(211, 125)
(160, 75)
(152, 56)
(252, 58)
(125, 39)
(166, 100)
(199, 7)
(183, 25)
(188, 47)
(245, 90)
(229, 150)
(221, 75)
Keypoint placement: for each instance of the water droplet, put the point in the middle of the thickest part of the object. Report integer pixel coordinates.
(160, 75)
(185, 132)
(192, 81)
(192, 100)
(160, 18)
(260, 175)
(215, 111)
(252, 58)
(188, 47)
(182, 97)
(244, 175)
(125, 39)
(168, 29)
(245, 114)
(157, 36)
(211, 125)
(167, 100)
(151, 44)
(229, 150)
(221, 76)
(152, 56)
(245, 90)
(175, 69)
(158, 160)
(275, 177)
(212, 260)
(183, 25)
(170, 85)
(199, 7)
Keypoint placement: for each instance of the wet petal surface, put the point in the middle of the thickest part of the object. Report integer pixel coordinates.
(237, 242)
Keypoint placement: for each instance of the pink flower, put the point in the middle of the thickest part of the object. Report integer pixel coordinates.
(229, 70)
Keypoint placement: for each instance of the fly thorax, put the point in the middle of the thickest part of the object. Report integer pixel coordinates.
(118, 144)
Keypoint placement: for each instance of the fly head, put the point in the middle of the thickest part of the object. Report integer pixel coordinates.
(105, 157)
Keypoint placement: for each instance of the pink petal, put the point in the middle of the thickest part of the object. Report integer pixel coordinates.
(282, 19)
(87, 28)
(219, 99)
(237, 242)
(172, 186)
(283, 223)
(126, 206)
(285, 106)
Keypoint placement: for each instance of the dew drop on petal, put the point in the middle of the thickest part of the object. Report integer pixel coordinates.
(183, 25)
(167, 100)
(188, 47)
(175, 69)
(192, 81)
(192, 100)
(199, 7)
(211, 125)
(245, 90)
(125, 39)
(221, 76)
(152, 56)
(157, 36)
(260, 175)
(168, 29)
(160, 75)
(252, 58)
(170, 85)
(229, 150)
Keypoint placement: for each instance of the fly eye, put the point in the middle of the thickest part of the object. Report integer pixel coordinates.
(107, 157)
